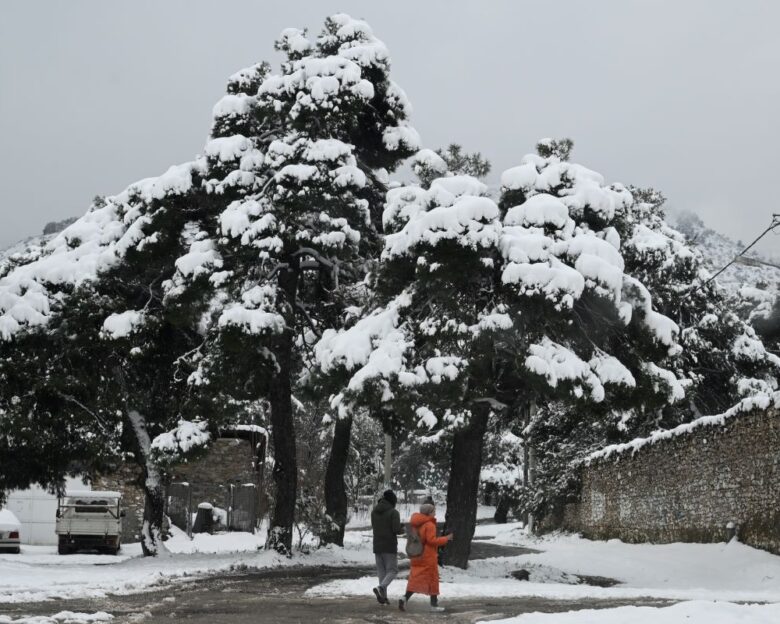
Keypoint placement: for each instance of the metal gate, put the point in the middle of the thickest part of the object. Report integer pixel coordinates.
(242, 510)
(180, 506)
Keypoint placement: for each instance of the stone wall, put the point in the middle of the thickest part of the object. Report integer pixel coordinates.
(127, 481)
(228, 461)
(692, 487)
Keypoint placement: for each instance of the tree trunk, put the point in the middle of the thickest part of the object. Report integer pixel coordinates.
(154, 513)
(463, 486)
(285, 470)
(502, 509)
(335, 488)
(531, 467)
(154, 490)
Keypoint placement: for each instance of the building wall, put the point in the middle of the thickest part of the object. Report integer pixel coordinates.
(228, 461)
(688, 488)
(127, 481)
(36, 510)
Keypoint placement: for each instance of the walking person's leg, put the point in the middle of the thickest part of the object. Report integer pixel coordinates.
(402, 601)
(380, 566)
(390, 561)
(381, 572)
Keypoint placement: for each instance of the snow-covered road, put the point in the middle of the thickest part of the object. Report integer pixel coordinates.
(709, 578)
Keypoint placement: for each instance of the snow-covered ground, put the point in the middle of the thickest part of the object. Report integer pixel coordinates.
(39, 573)
(732, 572)
(693, 612)
(708, 578)
(63, 617)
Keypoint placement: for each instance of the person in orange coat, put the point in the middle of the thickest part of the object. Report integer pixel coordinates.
(424, 574)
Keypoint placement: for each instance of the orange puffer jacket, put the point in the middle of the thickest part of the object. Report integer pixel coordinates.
(424, 575)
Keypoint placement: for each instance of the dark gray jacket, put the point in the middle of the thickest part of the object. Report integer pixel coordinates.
(386, 522)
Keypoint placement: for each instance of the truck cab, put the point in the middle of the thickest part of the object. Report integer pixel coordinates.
(90, 521)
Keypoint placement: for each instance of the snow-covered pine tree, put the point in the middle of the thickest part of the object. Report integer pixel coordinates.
(483, 308)
(723, 359)
(429, 165)
(720, 362)
(301, 197)
(89, 317)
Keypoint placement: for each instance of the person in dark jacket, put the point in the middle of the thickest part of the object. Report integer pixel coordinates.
(386, 524)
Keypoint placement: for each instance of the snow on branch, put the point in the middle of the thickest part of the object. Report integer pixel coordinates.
(174, 445)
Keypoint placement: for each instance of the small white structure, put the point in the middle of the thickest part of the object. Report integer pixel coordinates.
(36, 510)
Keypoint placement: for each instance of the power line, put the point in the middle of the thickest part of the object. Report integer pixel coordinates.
(775, 223)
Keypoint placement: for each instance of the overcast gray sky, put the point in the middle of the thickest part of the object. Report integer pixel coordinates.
(680, 95)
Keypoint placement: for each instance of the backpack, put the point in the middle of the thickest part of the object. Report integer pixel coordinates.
(414, 545)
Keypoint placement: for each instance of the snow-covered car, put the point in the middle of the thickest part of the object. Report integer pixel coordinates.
(10, 530)
(90, 521)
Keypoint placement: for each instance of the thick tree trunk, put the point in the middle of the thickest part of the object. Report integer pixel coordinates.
(154, 514)
(154, 490)
(463, 486)
(335, 488)
(285, 470)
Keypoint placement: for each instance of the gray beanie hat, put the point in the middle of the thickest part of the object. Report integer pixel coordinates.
(427, 509)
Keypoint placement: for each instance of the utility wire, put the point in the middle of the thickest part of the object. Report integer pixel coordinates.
(775, 223)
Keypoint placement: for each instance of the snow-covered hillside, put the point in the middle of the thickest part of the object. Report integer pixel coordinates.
(33, 244)
(718, 250)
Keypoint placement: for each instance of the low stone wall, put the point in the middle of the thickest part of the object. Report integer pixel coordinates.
(692, 487)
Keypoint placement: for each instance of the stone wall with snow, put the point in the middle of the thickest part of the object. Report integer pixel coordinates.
(691, 487)
(228, 461)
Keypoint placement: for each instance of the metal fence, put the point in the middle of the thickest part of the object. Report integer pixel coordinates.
(242, 507)
(180, 506)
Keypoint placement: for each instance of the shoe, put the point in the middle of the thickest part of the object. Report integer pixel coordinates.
(401, 604)
(378, 593)
(436, 609)
(383, 591)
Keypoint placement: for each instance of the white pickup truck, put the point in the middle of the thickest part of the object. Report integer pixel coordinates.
(90, 521)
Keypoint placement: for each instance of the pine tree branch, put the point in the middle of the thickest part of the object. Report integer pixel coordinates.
(308, 318)
(71, 399)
